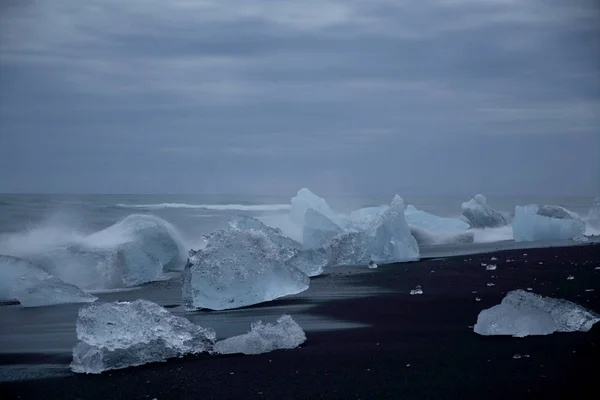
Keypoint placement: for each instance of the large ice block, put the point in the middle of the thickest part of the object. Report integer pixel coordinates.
(264, 338)
(428, 238)
(431, 222)
(480, 215)
(528, 225)
(594, 215)
(386, 240)
(523, 313)
(239, 268)
(26, 283)
(126, 334)
(318, 230)
(309, 261)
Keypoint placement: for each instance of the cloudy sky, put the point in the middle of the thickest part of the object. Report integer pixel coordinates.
(418, 97)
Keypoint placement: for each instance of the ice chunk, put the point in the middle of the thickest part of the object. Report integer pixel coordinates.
(480, 215)
(239, 268)
(432, 222)
(557, 212)
(593, 219)
(264, 338)
(309, 261)
(126, 334)
(425, 237)
(529, 225)
(386, 240)
(490, 267)
(524, 313)
(306, 200)
(318, 230)
(25, 282)
(417, 290)
(372, 265)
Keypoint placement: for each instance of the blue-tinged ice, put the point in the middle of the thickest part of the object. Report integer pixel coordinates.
(386, 240)
(428, 238)
(238, 268)
(309, 261)
(318, 230)
(264, 338)
(26, 283)
(523, 313)
(127, 334)
(480, 215)
(528, 225)
(594, 214)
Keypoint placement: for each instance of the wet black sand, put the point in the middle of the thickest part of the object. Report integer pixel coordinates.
(416, 346)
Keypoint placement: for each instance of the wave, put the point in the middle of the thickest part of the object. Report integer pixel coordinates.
(214, 207)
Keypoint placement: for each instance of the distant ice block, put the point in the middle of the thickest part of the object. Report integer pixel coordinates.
(363, 217)
(480, 215)
(528, 225)
(523, 313)
(318, 230)
(127, 334)
(386, 240)
(264, 338)
(306, 200)
(557, 212)
(26, 283)
(425, 237)
(239, 268)
(309, 261)
(594, 215)
(432, 222)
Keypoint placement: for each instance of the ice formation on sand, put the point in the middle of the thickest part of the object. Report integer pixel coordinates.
(432, 222)
(126, 334)
(264, 338)
(529, 225)
(318, 230)
(309, 261)
(25, 282)
(386, 240)
(480, 215)
(239, 268)
(131, 252)
(557, 212)
(524, 313)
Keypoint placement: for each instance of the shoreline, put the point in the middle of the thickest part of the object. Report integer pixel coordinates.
(409, 346)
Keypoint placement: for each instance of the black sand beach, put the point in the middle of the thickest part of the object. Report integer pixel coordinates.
(417, 347)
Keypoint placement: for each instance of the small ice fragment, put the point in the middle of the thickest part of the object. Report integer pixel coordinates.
(529, 289)
(525, 254)
(483, 264)
(477, 298)
(493, 259)
(408, 365)
(597, 268)
(474, 291)
(264, 338)
(416, 290)
(540, 263)
(490, 284)
(491, 267)
(526, 355)
(372, 264)
(589, 290)
(517, 356)
(570, 277)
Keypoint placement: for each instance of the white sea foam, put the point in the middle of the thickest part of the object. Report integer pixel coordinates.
(214, 207)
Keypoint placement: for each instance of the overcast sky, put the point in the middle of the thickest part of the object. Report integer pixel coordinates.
(416, 97)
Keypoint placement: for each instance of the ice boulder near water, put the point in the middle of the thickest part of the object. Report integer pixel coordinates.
(26, 283)
(239, 268)
(126, 334)
(529, 225)
(523, 313)
(264, 338)
(480, 215)
(386, 240)
(427, 238)
(309, 261)
(430, 222)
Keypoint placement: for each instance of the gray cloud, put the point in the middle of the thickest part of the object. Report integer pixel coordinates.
(428, 97)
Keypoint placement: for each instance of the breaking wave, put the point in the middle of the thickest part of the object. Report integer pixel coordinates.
(214, 207)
